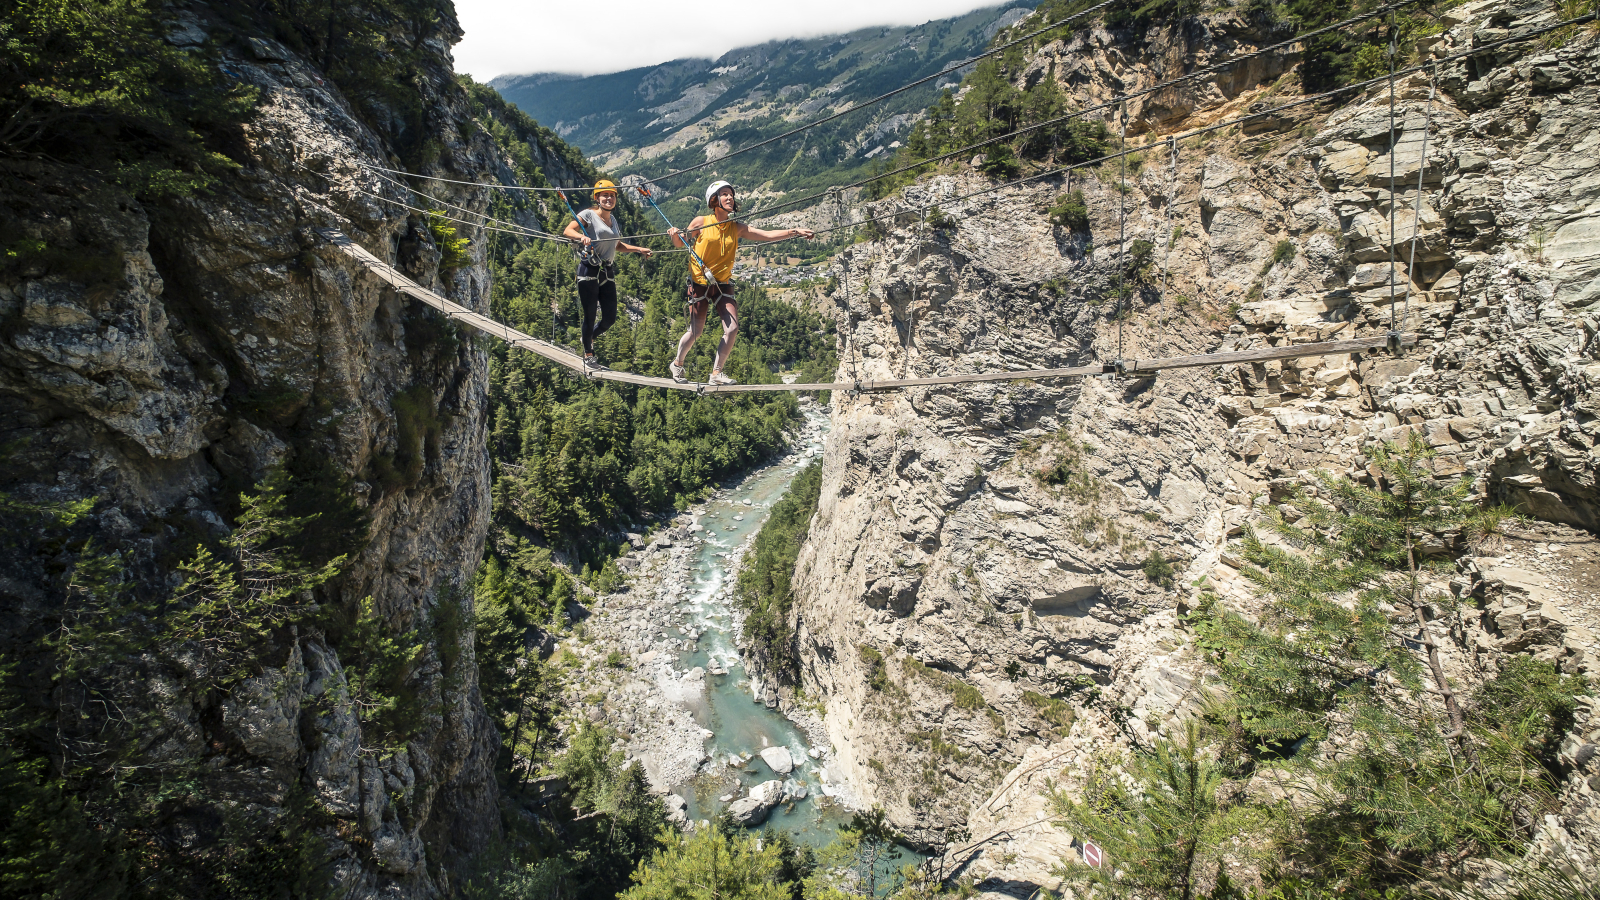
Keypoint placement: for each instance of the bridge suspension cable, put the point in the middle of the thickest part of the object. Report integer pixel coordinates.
(1198, 73)
(758, 215)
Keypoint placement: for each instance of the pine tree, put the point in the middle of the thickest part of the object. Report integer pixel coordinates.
(1160, 833)
(1344, 648)
(710, 865)
(233, 600)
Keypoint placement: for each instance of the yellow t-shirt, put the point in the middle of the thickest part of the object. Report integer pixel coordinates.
(717, 244)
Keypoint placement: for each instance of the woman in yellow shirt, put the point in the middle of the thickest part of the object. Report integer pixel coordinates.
(716, 242)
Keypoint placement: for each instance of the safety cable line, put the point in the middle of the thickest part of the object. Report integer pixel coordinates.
(953, 67)
(1416, 213)
(1394, 50)
(516, 231)
(1214, 67)
(1178, 136)
(465, 211)
(430, 212)
(1109, 104)
(756, 215)
(1229, 123)
(487, 184)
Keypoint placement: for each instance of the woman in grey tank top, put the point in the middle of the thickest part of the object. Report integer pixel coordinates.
(598, 233)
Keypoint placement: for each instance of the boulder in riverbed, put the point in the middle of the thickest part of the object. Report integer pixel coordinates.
(677, 809)
(752, 810)
(778, 759)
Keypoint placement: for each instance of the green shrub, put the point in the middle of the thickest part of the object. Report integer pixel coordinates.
(379, 662)
(877, 669)
(965, 696)
(1282, 253)
(1138, 264)
(1051, 709)
(1529, 694)
(1071, 212)
(418, 431)
(1000, 162)
(1159, 571)
(615, 660)
(99, 86)
(452, 250)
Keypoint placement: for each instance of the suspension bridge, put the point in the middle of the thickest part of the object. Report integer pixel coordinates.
(561, 356)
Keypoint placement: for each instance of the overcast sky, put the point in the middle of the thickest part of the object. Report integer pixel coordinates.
(588, 38)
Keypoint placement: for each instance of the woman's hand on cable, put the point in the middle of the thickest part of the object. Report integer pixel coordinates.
(676, 235)
(802, 232)
(642, 251)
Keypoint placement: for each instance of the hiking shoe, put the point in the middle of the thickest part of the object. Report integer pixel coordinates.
(679, 374)
(593, 362)
(719, 378)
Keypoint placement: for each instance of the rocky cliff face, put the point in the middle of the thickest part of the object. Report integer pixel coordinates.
(206, 341)
(974, 604)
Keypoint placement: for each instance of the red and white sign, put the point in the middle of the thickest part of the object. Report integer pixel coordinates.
(1092, 854)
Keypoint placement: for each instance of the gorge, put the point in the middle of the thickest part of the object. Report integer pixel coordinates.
(312, 591)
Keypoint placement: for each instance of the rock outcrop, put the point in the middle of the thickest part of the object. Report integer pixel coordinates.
(981, 583)
(211, 339)
(753, 808)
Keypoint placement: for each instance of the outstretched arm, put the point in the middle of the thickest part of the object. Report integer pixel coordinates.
(755, 234)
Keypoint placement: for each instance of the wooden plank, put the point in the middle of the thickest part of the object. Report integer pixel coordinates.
(1290, 351)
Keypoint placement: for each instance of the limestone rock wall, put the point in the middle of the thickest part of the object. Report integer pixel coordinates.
(974, 589)
(205, 341)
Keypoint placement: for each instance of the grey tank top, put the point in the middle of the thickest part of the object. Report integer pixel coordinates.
(605, 236)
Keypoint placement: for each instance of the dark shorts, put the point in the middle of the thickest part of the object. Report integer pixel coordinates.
(722, 293)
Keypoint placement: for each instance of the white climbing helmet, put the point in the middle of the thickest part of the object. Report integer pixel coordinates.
(711, 191)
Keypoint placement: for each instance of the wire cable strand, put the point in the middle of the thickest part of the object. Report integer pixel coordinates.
(1198, 73)
(1178, 136)
(1226, 123)
(1113, 103)
(1416, 212)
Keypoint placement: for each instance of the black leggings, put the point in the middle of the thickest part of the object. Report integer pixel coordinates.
(601, 298)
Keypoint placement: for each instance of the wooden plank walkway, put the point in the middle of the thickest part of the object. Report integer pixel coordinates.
(564, 357)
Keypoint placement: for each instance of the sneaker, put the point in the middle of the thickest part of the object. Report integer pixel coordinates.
(679, 374)
(593, 362)
(719, 378)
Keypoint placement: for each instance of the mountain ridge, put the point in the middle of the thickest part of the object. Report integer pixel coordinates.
(653, 119)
